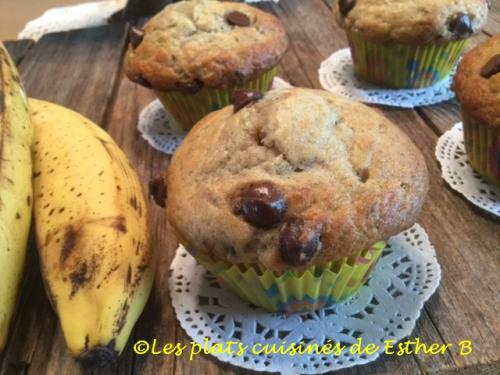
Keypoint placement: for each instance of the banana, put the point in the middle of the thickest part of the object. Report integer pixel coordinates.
(16, 135)
(91, 223)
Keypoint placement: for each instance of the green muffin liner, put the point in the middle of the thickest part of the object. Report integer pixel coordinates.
(482, 143)
(295, 291)
(188, 109)
(401, 66)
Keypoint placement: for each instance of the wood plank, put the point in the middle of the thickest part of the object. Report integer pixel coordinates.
(465, 307)
(18, 48)
(493, 25)
(76, 69)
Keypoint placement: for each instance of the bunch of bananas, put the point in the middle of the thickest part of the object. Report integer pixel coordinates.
(91, 221)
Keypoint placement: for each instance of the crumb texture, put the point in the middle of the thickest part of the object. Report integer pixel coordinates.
(412, 21)
(349, 177)
(198, 42)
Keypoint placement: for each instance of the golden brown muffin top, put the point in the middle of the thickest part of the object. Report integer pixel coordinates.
(203, 42)
(477, 82)
(412, 21)
(297, 178)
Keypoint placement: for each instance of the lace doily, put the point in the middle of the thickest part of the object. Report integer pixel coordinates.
(336, 74)
(71, 17)
(457, 172)
(385, 308)
(159, 129)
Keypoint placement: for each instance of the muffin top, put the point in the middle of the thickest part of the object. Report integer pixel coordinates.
(412, 21)
(477, 82)
(203, 42)
(297, 178)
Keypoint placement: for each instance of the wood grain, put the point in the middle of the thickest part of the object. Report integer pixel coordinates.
(18, 48)
(79, 68)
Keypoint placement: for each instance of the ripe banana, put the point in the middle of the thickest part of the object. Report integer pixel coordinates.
(92, 232)
(15, 187)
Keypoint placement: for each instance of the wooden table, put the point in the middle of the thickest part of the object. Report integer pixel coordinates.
(83, 70)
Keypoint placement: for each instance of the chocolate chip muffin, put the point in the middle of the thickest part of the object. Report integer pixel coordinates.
(408, 43)
(297, 182)
(477, 85)
(194, 54)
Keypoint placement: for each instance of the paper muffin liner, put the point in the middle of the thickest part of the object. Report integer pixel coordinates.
(188, 109)
(401, 66)
(482, 144)
(294, 291)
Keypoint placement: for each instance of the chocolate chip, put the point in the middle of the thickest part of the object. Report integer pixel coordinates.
(460, 25)
(261, 205)
(158, 190)
(491, 68)
(346, 6)
(236, 18)
(135, 36)
(300, 241)
(242, 98)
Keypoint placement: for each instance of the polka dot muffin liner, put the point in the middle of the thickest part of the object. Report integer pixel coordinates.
(401, 66)
(295, 291)
(189, 108)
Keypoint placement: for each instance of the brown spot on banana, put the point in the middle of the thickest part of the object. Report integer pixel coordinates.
(120, 224)
(122, 318)
(69, 242)
(111, 270)
(80, 277)
(133, 202)
(48, 238)
(129, 275)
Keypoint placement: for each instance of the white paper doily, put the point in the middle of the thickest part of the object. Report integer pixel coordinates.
(457, 172)
(336, 74)
(70, 18)
(159, 129)
(385, 308)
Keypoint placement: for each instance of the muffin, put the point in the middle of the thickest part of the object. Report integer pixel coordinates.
(288, 197)
(477, 85)
(408, 43)
(194, 54)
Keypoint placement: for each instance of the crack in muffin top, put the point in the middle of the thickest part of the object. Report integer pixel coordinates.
(412, 21)
(204, 42)
(298, 178)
